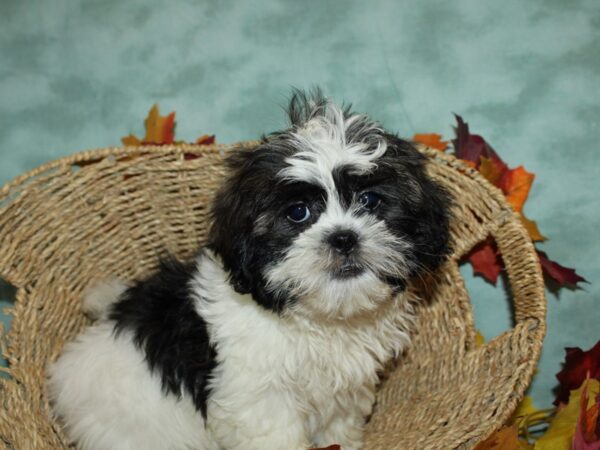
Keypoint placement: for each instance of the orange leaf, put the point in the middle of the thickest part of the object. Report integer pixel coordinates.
(516, 183)
(585, 433)
(532, 229)
(159, 129)
(131, 140)
(432, 140)
(506, 438)
(591, 422)
(491, 170)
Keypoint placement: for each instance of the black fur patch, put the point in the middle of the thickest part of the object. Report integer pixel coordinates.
(252, 200)
(166, 327)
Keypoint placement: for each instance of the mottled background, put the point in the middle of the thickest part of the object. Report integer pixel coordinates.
(76, 75)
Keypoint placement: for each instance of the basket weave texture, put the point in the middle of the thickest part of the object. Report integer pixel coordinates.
(115, 211)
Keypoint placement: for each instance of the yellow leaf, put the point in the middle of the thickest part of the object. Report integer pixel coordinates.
(479, 339)
(131, 140)
(532, 228)
(506, 438)
(559, 435)
(524, 409)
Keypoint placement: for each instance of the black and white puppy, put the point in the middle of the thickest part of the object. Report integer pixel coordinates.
(274, 336)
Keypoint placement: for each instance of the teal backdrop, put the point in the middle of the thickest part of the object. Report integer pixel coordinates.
(76, 75)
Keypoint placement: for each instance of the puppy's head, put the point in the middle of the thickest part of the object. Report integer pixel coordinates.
(332, 216)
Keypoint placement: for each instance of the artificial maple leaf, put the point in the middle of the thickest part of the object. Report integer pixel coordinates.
(587, 430)
(564, 276)
(432, 140)
(559, 435)
(578, 366)
(485, 261)
(472, 147)
(515, 184)
(206, 139)
(506, 438)
(160, 130)
(524, 409)
(491, 170)
(479, 339)
(532, 228)
(131, 140)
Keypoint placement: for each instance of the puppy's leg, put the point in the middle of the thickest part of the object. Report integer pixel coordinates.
(256, 421)
(107, 398)
(347, 421)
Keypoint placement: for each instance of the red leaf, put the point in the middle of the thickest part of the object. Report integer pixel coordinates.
(206, 139)
(586, 432)
(331, 447)
(486, 262)
(578, 366)
(169, 129)
(472, 147)
(562, 275)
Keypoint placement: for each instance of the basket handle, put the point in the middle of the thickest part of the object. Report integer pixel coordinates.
(523, 270)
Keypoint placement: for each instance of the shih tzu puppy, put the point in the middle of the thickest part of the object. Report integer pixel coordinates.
(274, 337)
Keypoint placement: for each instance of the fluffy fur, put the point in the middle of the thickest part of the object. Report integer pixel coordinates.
(273, 338)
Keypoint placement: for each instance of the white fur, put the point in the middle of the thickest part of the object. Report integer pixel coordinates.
(282, 382)
(105, 395)
(305, 270)
(324, 147)
(289, 382)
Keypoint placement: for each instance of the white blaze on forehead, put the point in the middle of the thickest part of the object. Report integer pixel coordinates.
(323, 146)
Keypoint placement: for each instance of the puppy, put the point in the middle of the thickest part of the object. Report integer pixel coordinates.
(274, 336)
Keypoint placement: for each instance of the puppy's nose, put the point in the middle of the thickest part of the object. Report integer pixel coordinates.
(343, 241)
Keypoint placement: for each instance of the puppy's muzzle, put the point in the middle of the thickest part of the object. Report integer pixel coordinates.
(343, 241)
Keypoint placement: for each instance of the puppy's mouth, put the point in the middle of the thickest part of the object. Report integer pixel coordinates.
(347, 271)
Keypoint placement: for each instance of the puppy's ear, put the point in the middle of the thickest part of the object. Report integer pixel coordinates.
(427, 204)
(432, 233)
(231, 229)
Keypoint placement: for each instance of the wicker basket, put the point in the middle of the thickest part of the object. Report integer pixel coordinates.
(115, 211)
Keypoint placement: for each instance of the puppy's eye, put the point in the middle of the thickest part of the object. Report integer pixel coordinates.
(369, 200)
(298, 213)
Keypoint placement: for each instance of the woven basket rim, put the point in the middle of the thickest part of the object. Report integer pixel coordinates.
(531, 325)
(102, 152)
